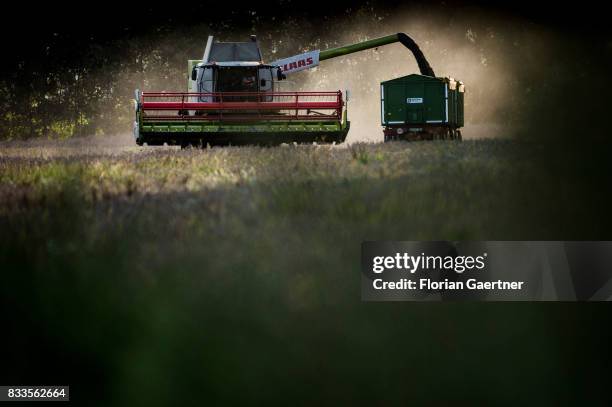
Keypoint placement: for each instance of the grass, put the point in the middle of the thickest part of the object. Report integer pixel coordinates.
(146, 276)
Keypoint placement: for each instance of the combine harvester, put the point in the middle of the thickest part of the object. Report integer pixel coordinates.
(232, 99)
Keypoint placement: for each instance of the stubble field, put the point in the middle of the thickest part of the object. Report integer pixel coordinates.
(164, 274)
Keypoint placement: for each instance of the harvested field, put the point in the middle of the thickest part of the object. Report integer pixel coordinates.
(229, 270)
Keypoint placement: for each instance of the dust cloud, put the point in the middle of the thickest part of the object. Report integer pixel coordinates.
(505, 62)
(491, 56)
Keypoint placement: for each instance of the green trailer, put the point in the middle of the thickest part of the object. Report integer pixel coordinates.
(420, 107)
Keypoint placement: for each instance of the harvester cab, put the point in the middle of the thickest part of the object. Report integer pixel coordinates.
(231, 67)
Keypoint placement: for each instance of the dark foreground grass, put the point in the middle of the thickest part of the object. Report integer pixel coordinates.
(168, 277)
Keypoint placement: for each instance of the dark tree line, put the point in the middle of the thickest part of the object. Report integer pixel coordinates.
(80, 80)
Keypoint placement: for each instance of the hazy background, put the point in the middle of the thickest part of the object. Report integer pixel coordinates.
(525, 68)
